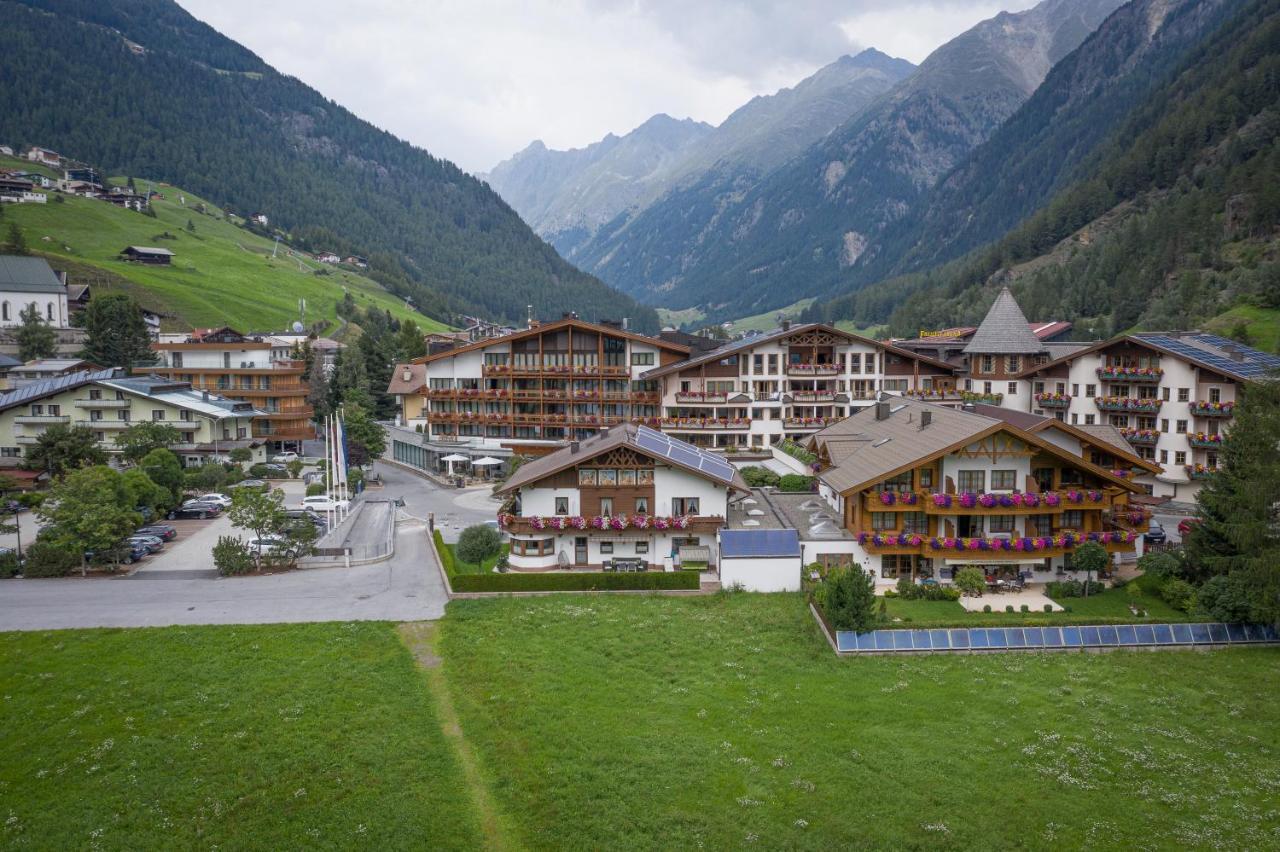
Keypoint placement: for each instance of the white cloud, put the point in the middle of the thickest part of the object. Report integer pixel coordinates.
(476, 80)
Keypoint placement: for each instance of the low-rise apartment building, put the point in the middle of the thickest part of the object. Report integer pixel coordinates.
(107, 402)
(240, 367)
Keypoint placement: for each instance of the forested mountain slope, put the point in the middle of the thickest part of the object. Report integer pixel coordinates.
(1036, 152)
(796, 232)
(1173, 220)
(140, 87)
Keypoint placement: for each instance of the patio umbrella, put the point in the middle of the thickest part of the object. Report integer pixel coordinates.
(487, 461)
(455, 457)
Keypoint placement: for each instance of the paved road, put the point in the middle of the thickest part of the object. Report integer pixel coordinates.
(406, 587)
(454, 509)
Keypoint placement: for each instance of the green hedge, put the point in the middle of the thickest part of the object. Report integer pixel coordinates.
(585, 582)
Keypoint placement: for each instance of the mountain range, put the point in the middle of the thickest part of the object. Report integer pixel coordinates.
(735, 236)
(140, 87)
(1151, 189)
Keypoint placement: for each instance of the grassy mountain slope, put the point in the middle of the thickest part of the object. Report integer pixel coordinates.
(737, 250)
(222, 274)
(141, 87)
(1173, 222)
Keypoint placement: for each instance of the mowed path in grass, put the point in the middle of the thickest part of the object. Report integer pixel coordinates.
(726, 722)
(263, 737)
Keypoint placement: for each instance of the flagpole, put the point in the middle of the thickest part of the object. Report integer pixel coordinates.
(329, 473)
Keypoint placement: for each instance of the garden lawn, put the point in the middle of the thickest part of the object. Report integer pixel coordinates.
(271, 737)
(726, 721)
(1110, 607)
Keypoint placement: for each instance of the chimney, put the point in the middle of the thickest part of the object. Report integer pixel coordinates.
(407, 375)
(528, 309)
(882, 411)
(786, 325)
(573, 447)
(926, 417)
(1235, 354)
(604, 432)
(205, 395)
(626, 323)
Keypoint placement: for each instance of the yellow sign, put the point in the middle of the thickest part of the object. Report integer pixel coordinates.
(946, 332)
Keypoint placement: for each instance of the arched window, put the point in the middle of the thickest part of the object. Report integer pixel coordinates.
(4, 312)
(48, 309)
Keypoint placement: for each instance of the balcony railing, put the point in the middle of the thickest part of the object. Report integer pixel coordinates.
(1204, 440)
(1053, 400)
(813, 369)
(1213, 409)
(103, 403)
(1130, 374)
(1141, 437)
(807, 422)
(1135, 404)
(702, 396)
(601, 525)
(41, 419)
(984, 549)
(555, 370)
(105, 424)
(813, 396)
(986, 503)
(679, 423)
(1200, 471)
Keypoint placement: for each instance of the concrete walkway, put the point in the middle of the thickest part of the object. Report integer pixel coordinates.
(406, 587)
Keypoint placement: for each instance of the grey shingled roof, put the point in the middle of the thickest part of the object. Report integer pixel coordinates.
(28, 275)
(1004, 331)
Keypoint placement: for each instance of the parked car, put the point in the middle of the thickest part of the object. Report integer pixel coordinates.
(1186, 525)
(152, 543)
(126, 554)
(271, 545)
(323, 503)
(200, 511)
(313, 476)
(276, 469)
(285, 458)
(163, 531)
(307, 515)
(1155, 533)
(256, 484)
(220, 499)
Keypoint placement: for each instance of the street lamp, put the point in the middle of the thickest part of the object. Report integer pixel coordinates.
(15, 507)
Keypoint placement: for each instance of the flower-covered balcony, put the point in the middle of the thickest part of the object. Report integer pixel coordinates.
(702, 396)
(1053, 400)
(1131, 404)
(1116, 373)
(604, 524)
(1205, 440)
(1115, 541)
(985, 503)
(1200, 471)
(813, 369)
(1141, 437)
(1213, 409)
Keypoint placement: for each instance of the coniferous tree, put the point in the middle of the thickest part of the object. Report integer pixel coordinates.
(117, 333)
(35, 338)
(1239, 508)
(16, 243)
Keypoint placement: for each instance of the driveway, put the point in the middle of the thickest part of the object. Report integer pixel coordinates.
(454, 509)
(406, 587)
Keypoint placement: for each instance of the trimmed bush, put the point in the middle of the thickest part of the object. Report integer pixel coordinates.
(45, 559)
(759, 477)
(583, 582)
(986, 608)
(1026, 608)
(315, 489)
(1048, 607)
(478, 543)
(795, 483)
(970, 581)
(1008, 608)
(232, 557)
(445, 554)
(8, 564)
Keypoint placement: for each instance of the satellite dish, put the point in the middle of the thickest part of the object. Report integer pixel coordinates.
(298, 327)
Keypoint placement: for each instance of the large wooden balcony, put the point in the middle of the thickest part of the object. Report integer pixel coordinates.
(813, 369)
(555, 370)
(601, 526)
(995, 549)
(678, 424)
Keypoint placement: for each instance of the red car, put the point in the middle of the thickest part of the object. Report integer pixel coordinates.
(1185, 526)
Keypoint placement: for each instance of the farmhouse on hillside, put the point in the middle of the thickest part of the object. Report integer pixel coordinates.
(147, 254)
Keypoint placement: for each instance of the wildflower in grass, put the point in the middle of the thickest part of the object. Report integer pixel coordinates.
(780, 762)
(940, 827)
(801, 823)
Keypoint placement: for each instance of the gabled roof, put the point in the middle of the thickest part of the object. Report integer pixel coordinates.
(1100, 435)
(863, 450)
(400, 385)
(541, 328)
(181, 394)
(148, 250)
(28, 275)
(777, 334)
(645, 441)
(1004, 330)
(1207, 351)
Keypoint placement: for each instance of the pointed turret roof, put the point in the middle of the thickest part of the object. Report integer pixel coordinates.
(1004, 331)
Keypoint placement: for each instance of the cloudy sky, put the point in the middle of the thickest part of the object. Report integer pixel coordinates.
(477, 80)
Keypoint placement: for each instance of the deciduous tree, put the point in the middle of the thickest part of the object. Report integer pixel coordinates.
(90, 509)
(260, 512)
(62, 448)
(139, 440)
